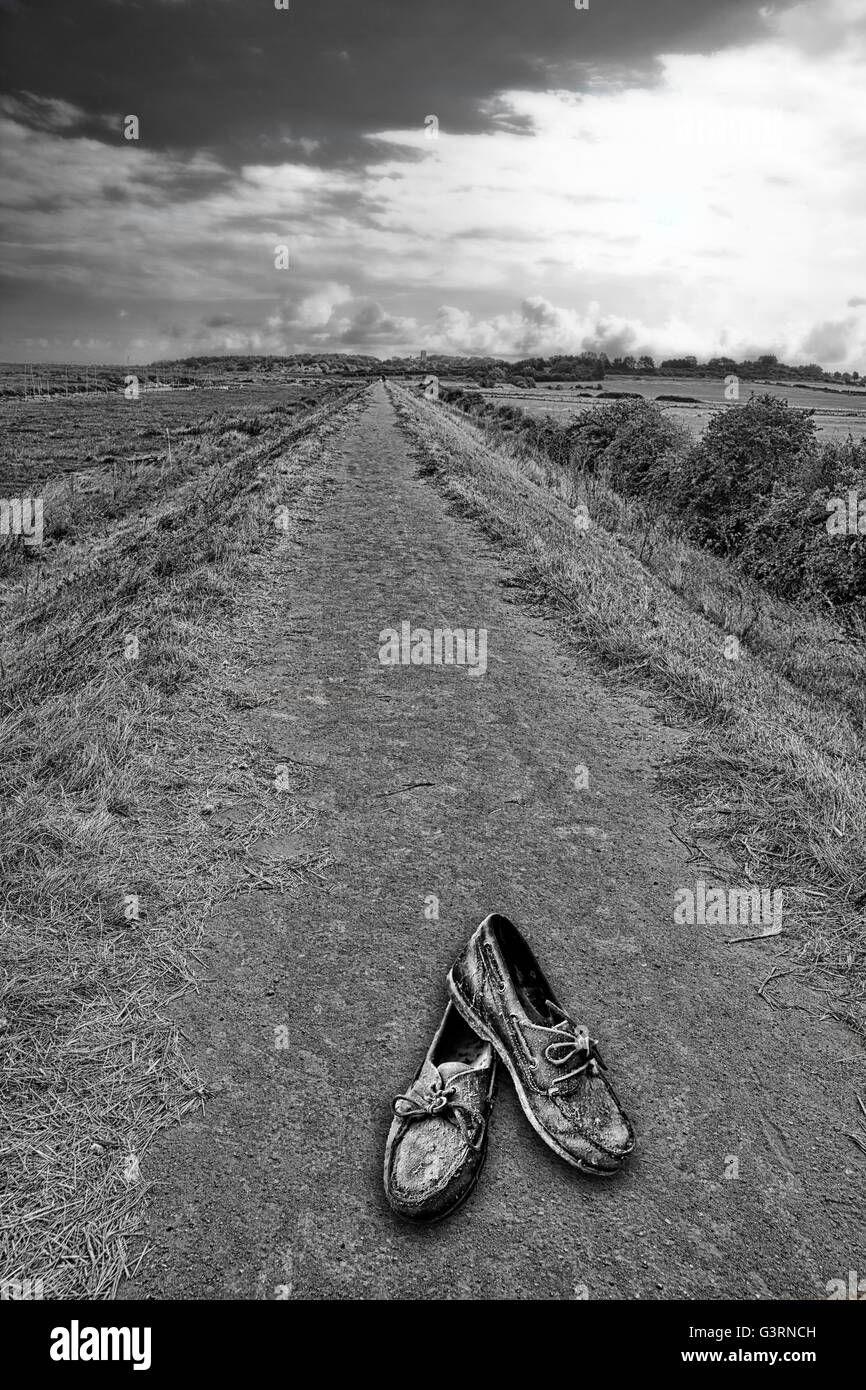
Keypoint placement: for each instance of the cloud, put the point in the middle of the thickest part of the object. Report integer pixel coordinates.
(331, 319)
(368, 325)
(831, 341)
(45, 113)
(214, 73)
(313, 311)
(538, 328)
(710, 204)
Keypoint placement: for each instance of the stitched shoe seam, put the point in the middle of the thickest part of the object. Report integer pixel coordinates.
(491, 966)
(526, 1068)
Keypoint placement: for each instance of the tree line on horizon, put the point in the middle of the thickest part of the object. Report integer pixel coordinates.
(486, 372)
(491, 371)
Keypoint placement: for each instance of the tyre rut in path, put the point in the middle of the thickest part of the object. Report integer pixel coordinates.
(276, 1190)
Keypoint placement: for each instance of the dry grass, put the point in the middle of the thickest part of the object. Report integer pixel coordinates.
(96, 463)
(119, 779)
(775, 768)
(808, 647)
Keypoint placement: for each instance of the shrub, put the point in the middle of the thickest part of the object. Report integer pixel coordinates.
(754, 488)
(742, 454)
(634, 441)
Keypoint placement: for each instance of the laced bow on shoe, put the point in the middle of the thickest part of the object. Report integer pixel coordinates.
(572, 1043)
(438, 1099)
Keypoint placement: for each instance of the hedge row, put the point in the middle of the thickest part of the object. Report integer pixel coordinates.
(758, 487)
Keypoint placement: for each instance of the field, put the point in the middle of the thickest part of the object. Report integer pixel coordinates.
(98, 459)
(86, 433)
(838, 411)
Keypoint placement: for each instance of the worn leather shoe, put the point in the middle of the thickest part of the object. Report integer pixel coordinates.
(438, 1138)
(499, 989)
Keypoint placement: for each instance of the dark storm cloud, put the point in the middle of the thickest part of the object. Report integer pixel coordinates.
(247, 82)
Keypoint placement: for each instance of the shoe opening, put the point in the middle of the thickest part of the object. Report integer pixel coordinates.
(529, 978)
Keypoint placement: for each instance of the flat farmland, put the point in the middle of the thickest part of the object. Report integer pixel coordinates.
(46, 436)
(97, 461)
(837, 411)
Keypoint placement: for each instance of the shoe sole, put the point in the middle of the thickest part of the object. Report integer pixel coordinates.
(469, 1015)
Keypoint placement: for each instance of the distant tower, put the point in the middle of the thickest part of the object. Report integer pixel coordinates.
(423, 354)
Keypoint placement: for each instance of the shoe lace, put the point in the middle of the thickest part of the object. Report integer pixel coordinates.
(439, 1100)
(572, 1042)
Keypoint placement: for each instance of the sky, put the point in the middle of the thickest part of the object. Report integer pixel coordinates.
(504, 177)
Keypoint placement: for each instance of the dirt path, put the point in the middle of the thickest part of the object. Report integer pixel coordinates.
(277, 1190)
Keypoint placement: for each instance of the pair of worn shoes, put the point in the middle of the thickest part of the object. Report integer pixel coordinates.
(501, 1005)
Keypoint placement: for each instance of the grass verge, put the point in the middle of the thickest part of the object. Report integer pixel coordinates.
(124, 753)
(774, 771)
